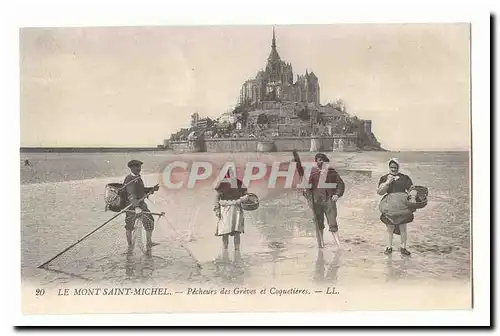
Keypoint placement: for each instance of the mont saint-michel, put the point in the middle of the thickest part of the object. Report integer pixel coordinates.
(277, 111)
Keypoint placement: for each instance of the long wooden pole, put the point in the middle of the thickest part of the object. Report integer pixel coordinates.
(300, 169)
(92, 232)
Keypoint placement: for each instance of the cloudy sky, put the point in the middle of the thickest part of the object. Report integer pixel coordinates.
(133, 86)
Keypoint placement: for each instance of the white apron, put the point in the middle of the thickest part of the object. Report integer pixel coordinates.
(232, 219)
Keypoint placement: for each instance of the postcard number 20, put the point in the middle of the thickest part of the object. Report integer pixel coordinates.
(39, 292)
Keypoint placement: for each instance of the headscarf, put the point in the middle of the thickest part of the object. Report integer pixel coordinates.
(393, 160)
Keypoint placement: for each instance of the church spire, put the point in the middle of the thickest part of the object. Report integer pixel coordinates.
(273, 56)
(273, 45)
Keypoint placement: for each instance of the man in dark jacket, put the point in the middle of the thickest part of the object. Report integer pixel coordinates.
(322, 199)
(135, 191)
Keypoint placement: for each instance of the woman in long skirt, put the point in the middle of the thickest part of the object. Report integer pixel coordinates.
(394, 186)
(229, 213)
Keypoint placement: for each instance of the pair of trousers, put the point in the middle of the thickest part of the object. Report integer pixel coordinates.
(325, 208)
(148, 221)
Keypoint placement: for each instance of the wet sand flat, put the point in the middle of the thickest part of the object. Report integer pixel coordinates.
(279, 244)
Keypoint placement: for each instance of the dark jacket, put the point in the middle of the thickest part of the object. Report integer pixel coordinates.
(135, 190)
(331, 177)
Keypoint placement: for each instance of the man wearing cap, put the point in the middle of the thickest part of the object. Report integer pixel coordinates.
(322, 198)
(135, 191)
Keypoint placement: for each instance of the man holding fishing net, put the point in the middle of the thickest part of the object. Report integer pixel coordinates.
(135, 194)
(121, 198)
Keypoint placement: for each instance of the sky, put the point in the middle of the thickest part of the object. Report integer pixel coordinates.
(134, 86)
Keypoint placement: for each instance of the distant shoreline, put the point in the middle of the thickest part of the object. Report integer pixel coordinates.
(89, 149)
(162, 149)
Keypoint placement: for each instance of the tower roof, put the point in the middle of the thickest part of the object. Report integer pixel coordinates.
(273, 56)
(274, 39)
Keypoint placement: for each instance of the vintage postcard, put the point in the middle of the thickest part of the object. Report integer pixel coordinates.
(245, 169)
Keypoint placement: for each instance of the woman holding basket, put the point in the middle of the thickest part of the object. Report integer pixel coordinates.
(228, 209)
(399, 202)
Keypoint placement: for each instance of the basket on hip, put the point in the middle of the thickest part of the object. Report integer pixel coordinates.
(421, 197)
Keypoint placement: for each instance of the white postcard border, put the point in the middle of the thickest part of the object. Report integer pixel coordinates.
(117, 13)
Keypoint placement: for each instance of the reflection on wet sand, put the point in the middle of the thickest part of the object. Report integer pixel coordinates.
(268, 223)
(441, 233)
(279, 243)
(276, 258)
(139, 269)
(330, 274)
(396, 269)
(231, 271)
(282, 219)
(138, 266)
(284, 239)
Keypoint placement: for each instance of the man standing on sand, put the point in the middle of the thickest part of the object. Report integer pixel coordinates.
(136, 191)
(323, 199)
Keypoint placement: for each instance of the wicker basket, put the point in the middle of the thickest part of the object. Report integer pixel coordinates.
(421, 198)
(115, 197)
(251, 203)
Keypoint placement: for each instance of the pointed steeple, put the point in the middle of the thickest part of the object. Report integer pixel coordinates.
(273, 45)
(273, 56)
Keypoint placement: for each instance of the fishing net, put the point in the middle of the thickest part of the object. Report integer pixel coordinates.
(138, 236)
(101, 256)
(105, 255)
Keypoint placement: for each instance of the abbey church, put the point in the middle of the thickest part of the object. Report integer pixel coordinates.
(275, 105)
(276, 83)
